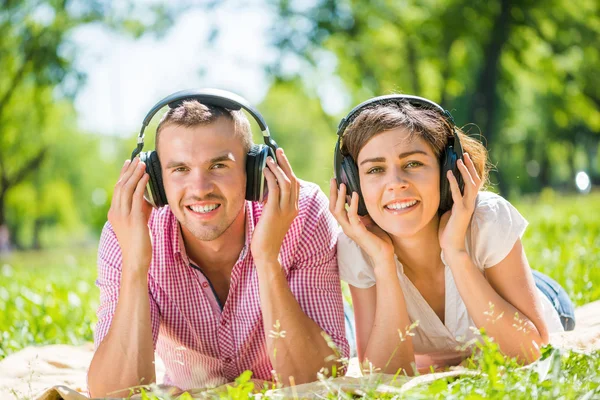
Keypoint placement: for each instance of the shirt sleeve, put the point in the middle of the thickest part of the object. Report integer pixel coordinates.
(495, 228)
(353, 264)
(109, 283)
(314, 278)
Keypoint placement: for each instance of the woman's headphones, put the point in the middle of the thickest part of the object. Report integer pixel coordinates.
(256, 185)
(346, 170)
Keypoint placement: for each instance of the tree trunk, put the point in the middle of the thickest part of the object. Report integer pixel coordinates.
(484, 104)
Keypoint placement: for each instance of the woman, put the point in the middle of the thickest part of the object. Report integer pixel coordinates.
(434, 251)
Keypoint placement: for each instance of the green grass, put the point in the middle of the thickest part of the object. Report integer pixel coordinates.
(50, 297)
(47, 298)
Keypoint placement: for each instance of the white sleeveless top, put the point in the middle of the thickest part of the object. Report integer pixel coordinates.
(494, 229)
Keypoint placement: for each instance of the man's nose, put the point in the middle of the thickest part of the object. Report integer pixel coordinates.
(201, 183)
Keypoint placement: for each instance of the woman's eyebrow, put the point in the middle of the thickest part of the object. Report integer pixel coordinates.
(410, 153)
(400, 156)
(376, 159)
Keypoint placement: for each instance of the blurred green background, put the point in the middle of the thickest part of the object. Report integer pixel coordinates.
(520, 75)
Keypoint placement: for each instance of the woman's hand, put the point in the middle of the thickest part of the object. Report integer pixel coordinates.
(362, 230)
(454, 223)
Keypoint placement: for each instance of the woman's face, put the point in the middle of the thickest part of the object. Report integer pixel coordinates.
(400, 181)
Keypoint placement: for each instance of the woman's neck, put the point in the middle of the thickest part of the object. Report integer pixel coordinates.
(420, 253)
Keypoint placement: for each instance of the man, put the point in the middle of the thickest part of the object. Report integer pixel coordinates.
(216, 284)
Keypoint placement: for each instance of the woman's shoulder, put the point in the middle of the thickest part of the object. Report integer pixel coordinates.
(354, 264)
(492, 206)
(495, 227)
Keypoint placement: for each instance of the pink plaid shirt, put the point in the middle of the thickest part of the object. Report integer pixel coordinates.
(202, 345)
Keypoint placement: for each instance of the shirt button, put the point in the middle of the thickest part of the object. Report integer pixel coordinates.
(227, 360)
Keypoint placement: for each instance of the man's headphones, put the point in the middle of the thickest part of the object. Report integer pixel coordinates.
(346, 170)
(256, 185)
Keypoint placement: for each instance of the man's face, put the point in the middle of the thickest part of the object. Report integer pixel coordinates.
(204, 176)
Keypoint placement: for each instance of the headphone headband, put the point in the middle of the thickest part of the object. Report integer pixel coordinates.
(213, 97)
(390, 98)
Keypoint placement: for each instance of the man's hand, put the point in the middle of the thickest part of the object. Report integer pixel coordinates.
(129, 213)
(279, 210)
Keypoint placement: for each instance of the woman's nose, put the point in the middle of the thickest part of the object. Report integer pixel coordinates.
(397, 180)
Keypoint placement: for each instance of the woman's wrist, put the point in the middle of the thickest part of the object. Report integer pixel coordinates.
(454, 257)
(384, 266)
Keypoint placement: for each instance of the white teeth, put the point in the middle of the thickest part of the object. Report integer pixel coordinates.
(204, 209)
(400, 206)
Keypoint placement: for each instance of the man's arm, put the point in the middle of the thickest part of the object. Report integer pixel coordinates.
(302, 350)
(125, 356)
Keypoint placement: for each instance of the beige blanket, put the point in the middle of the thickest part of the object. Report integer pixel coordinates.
(59, 371)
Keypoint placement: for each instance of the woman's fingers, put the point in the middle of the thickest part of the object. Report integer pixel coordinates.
(332, 195)
(472, 170)
(454, 189)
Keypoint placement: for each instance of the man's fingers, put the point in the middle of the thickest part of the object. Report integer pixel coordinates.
(283, 181)
(138, 194)
(128, 187)
(284, 164)
(286, 167)
(273, 198)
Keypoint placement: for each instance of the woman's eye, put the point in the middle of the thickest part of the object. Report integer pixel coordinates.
(375, 170)
(413, 164)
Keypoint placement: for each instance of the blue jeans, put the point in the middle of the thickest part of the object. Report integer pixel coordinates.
(558, 297)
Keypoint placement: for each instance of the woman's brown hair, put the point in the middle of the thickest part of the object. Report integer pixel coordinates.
(426, 123)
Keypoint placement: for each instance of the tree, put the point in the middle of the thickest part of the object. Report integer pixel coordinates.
(521, 71)
(38, 79)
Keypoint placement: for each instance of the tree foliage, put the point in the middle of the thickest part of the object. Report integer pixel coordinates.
(521, 71)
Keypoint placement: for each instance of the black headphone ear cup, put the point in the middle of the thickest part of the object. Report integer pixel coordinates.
(448, 162)
(155, 192)
(346, 172)
(351, 179)
(256, 161)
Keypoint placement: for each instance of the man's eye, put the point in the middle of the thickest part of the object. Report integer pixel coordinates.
(375, 170)
(217, 166)
(180, 169)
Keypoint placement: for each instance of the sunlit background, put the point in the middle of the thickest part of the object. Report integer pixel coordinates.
(78, 76)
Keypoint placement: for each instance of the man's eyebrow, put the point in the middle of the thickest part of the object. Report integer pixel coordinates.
(174, 164)
(221, 158)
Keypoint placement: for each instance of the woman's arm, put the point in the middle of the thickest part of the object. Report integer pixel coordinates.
(381, 323)
(380, 311)
(504, 304)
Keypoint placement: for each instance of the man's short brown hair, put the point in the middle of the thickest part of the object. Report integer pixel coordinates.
(192, 113)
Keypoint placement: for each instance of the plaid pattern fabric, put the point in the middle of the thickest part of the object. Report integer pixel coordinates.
(202, 345)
